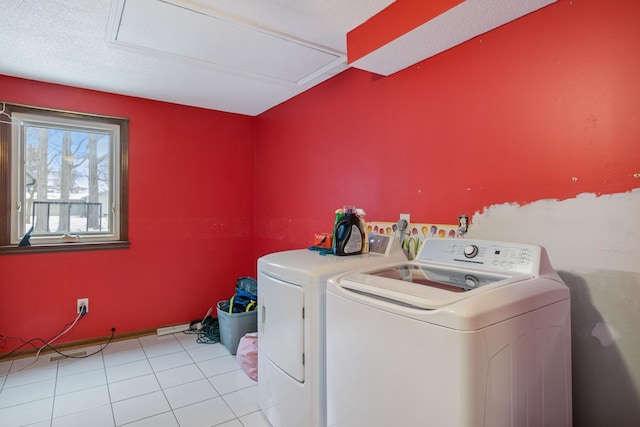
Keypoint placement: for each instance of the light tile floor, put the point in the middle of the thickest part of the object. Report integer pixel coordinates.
(150, 381)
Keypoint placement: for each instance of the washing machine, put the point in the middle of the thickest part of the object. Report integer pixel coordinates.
(471, 333)
(291, 328)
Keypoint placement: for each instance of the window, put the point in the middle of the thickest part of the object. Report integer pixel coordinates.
(63, 180)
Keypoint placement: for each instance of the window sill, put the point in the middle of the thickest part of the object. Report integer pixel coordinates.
(63, 247)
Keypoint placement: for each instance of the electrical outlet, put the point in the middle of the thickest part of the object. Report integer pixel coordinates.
(406, 217)
(82, 302)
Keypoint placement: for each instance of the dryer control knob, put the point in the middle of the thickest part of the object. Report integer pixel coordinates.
(470, 251)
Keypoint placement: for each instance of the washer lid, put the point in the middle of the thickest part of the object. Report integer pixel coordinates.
(424, 286)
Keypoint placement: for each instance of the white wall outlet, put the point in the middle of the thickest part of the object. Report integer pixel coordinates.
(82, 302)
(406, 217)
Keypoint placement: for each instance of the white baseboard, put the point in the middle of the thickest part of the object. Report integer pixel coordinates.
(173, 329)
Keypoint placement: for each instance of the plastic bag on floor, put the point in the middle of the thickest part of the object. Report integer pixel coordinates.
(247, 355)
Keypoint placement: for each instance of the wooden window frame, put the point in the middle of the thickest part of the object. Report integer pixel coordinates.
(6, 247)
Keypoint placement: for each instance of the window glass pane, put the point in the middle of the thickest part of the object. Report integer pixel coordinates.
(67, 180)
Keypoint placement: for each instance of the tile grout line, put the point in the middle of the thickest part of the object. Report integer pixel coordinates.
(106, 380)
(204, 377)
(208, 379)
(162, 389)
(5, 376)
(146, 358)
(55, 387)
(173, 414)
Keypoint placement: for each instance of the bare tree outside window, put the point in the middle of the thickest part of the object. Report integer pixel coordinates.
(41, 163)
(69, 181)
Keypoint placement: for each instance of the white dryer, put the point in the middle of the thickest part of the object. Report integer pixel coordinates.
(291, 328)
(472, 333)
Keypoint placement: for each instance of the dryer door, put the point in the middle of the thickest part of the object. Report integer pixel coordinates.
(281, 324)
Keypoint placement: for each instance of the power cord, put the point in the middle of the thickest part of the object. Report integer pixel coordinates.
(51, 341)
(71, 356)
(210, 332)
(47, 344)
(29, 342)
(208, 329)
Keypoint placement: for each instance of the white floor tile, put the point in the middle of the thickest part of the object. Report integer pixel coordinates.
(102, 416)
(155, 346)
(27, 413)
(232, 423)
(45, 423)
(255, 419)
(43, 361)
(231, 381)
(168, 361)
(207, 352)
(204, 414)
(140, 407)
(166, 419)
(189, 393)
(188, 341)
(27, 393)
(128, 370)
(124, 356)
(243, 402)
(218, 366)
(80, 381)
(133, 387)
(177, 376)
(120, 352)
(77, 401)
(75, 366)
(151, 340)
(122, 346)
(28, 376)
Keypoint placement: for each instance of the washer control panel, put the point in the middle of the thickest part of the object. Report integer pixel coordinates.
(503, 256)
(470, 251)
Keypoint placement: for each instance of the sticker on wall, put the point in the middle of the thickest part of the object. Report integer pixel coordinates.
(415, 234)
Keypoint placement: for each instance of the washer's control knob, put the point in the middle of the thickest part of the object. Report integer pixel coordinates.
(470, 251)
(471, 281)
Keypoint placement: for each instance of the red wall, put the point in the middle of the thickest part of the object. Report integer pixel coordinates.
(190, 224)
(510, 116)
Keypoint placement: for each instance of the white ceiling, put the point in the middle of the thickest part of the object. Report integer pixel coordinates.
(88, 44)
(457, 25)
(239, 56)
